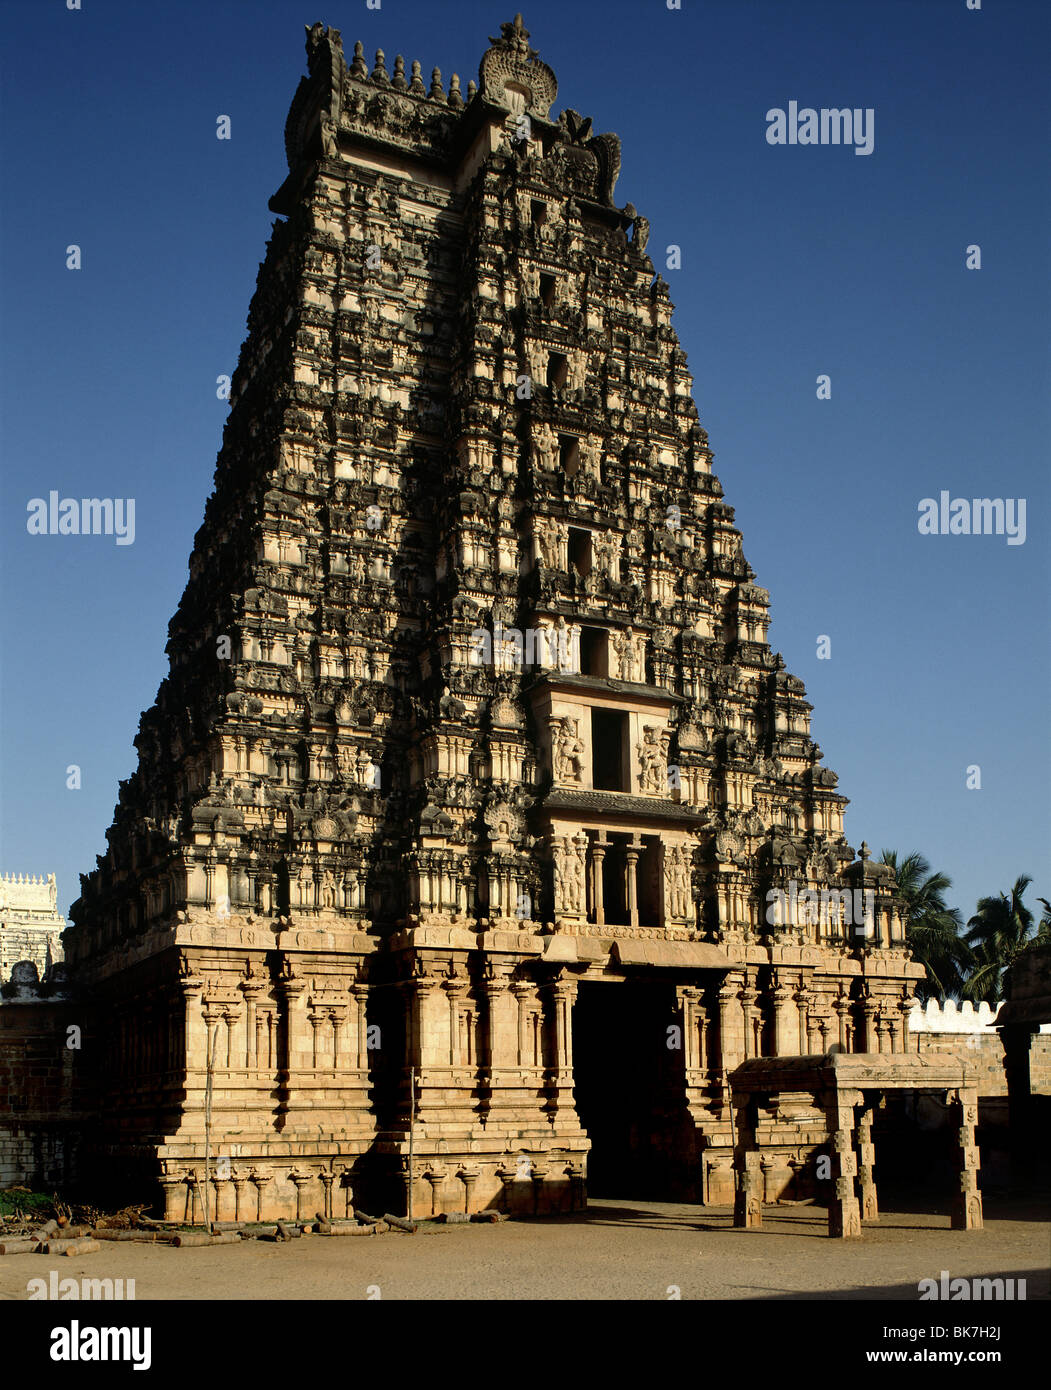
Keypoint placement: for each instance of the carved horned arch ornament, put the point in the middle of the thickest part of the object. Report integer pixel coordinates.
(512, 75)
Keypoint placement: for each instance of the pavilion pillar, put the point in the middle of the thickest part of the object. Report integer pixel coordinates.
(866, 1163)
(844, 1214)
(966, 1209)
(748, 1185)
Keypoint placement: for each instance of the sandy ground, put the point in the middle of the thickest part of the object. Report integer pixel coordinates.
(615, 1250)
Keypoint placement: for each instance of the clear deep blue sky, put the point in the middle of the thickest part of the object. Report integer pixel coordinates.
(795, 262)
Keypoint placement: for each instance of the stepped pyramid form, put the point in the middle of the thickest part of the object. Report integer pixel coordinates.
(473, 774)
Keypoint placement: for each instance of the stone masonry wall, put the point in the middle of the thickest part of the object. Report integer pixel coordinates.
(40, 1117)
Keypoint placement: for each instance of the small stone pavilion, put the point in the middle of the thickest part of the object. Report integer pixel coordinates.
(849, 1088)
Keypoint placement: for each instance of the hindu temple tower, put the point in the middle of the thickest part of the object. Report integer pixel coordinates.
(472, 759)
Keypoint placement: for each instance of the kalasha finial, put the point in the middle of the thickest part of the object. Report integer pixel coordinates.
(863, 852)
(358, 67)
(455, 96)
(515, 36)
(437, 90)
(416, 85)
(379, 72)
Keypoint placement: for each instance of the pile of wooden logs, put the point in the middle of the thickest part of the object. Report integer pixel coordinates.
(53, 1238)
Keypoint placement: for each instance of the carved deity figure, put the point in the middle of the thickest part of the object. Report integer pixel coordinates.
(328, 889)
(328, 136)
(569, 858)
(652, 760)
(569, 752)
(545, 447)
(604, 550)
(677, 881)
(548, 539)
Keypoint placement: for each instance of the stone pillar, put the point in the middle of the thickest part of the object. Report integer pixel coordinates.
(748, 998)
(730, 1046)
(841, 1004)
(173, 1187)
(523, 993)
(844, 1215)
(435, 1175)
(360, 994)
(260, 1180)
(782, 998)
(966, 1209)
(688, 1000)
(866, 1165)
(455, 989)
(598, 854)
(251, 989)
(238, 1182)
(748, 1200)
(327, 1179)
(631, 888)
(803, 1003)
(870, 1042)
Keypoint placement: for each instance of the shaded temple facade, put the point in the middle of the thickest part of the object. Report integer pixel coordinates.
(473, 759)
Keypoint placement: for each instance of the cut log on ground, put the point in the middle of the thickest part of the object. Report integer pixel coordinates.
(399, 1223)
(25, 1246)
(82, 1247)
(149, 1237)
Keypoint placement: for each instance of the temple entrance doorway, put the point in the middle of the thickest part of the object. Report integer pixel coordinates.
(629, 1086)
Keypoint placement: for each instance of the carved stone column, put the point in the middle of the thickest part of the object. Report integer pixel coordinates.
(599, 846)
(804, 999)
(748, 999)
(866, 1165)
(841, 1004)
(631, 888)
(844, 1214)
(782, 1000)
(251, 989)
(966, 1209)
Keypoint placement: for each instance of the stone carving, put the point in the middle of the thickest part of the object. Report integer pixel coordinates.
(677, 881)
(569, 860)
(653, 761)
(569, 752)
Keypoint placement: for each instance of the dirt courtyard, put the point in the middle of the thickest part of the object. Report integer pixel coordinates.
(614, 1250)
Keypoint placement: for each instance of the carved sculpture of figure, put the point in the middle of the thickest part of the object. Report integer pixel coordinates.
(547, 539)
(621, 643)
(677, 881)
(604, 550)
(328, 889)
(591, 459)
(638, 657)
(545, 447)
(569, 753)
(364, 768)
(580, 856)
(328, 136)
(651, 755)
(569, 874)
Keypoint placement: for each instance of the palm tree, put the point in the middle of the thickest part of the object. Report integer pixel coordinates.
(932, 929)
(999, 932)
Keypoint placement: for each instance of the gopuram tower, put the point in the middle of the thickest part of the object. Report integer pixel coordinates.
(473, 775)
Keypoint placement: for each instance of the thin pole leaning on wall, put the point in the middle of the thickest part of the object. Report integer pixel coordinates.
(412, 1132)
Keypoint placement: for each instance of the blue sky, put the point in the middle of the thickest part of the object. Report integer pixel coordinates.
(797, 261)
